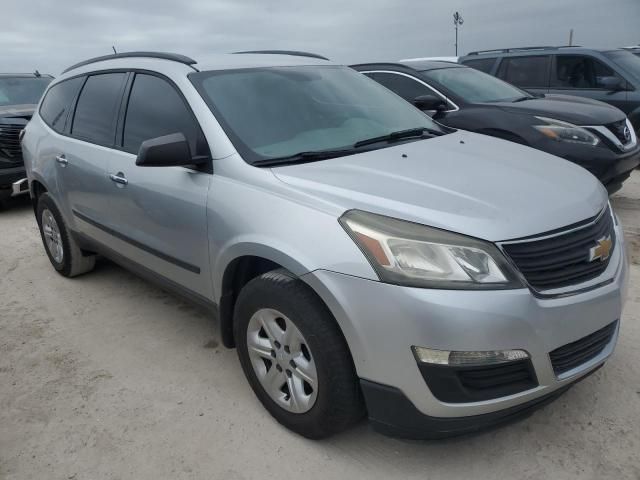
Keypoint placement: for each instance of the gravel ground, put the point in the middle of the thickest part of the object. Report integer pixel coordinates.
(108, 377)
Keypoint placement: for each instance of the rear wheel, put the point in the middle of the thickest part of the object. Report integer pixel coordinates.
(63, 251)
(295, 357)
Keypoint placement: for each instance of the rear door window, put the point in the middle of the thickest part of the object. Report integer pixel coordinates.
(155, 109)
(483, 64)
(58, 102)
(95, 116)
(525, 71)
(579, 72)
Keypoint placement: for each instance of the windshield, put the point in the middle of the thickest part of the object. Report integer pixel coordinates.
(626, 60)
(277, 112)
(22, 90)
(474, 86)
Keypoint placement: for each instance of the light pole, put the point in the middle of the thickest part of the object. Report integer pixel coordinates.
(457, 21)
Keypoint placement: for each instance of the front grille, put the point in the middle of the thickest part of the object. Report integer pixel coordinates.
(461, 384)
(563, 259)
(576, 353)
(10, 142)
(618, 129)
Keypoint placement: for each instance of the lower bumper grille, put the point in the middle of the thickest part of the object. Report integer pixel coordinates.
(478, 383)
(581, 351)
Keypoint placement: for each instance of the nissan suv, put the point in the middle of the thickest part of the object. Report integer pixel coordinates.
(361, 258)
(19, 94)
(592, 134)
(611, 75)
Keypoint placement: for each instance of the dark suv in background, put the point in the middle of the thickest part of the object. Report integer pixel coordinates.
(19, 94)
(611, 76)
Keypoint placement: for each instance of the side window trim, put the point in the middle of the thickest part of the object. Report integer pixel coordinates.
(72, 111)
(438, 93)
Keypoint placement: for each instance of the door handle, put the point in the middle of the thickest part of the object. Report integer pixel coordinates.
(62, 160)
(118, 178)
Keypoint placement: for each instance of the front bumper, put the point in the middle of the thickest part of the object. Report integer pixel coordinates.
(610, 166)
(381, 322)
(9, 177)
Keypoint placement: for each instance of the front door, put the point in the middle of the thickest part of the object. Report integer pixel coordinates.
(158, 214)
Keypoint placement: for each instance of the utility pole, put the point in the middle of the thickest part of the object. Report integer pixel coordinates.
(457, 21)
(571, 37)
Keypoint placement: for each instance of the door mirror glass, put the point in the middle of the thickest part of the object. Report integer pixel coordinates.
(430, 102)
(610, 83)
(167, 151)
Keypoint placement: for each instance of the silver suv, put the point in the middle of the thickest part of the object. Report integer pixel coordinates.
(359, 256)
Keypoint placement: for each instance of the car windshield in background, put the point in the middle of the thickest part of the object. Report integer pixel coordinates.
(474, 86)
(279, 112)
(626, 60)
(22, 90)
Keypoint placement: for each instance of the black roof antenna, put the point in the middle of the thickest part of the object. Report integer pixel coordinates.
(114, 49)
(37, 74)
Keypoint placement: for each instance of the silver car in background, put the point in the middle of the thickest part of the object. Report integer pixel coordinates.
(362, 258)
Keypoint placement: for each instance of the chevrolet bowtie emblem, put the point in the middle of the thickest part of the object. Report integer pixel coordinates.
(602, 250)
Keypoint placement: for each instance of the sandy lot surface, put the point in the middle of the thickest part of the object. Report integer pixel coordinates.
(108, 377)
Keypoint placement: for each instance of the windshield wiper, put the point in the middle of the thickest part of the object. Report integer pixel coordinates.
(302, 157)
(399, 135)
(522, 99)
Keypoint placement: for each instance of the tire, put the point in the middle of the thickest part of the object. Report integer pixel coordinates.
(68, 260)
(337, 399)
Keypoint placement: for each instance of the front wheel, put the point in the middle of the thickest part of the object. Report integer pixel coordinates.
(295, 357)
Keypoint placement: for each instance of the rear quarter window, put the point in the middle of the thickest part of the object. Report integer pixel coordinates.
(58, 102)
(483, 64)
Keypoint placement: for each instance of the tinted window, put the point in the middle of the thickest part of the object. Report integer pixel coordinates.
(579, 71)
(58, 102)
(406, 87)
(484, 65)
(525, 71)
(156, 109)
(99, 101)
(474, 86)
(22, 90)
(627, 60)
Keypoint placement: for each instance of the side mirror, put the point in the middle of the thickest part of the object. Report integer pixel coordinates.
(613, 84)
(430, 102)
(167, 151)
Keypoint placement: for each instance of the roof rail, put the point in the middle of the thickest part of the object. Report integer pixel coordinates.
(175, 57)
(295, 53)
(521, 49)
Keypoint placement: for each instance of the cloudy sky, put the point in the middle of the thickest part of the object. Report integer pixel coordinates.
(52, 34)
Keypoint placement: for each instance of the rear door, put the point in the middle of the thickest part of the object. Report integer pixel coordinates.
(580, 75)
(84, 158)
(158, 214)
(530, 73)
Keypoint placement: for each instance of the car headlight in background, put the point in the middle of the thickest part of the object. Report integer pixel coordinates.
(406, 253)
(566, 132)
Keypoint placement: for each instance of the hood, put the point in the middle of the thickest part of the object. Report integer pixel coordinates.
(22, 111)
(576, 110)
(463, 182)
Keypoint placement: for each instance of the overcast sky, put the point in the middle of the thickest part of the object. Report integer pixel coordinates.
(52, 34)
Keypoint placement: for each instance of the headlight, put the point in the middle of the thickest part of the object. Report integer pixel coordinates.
(405, 253)
(566, 132)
